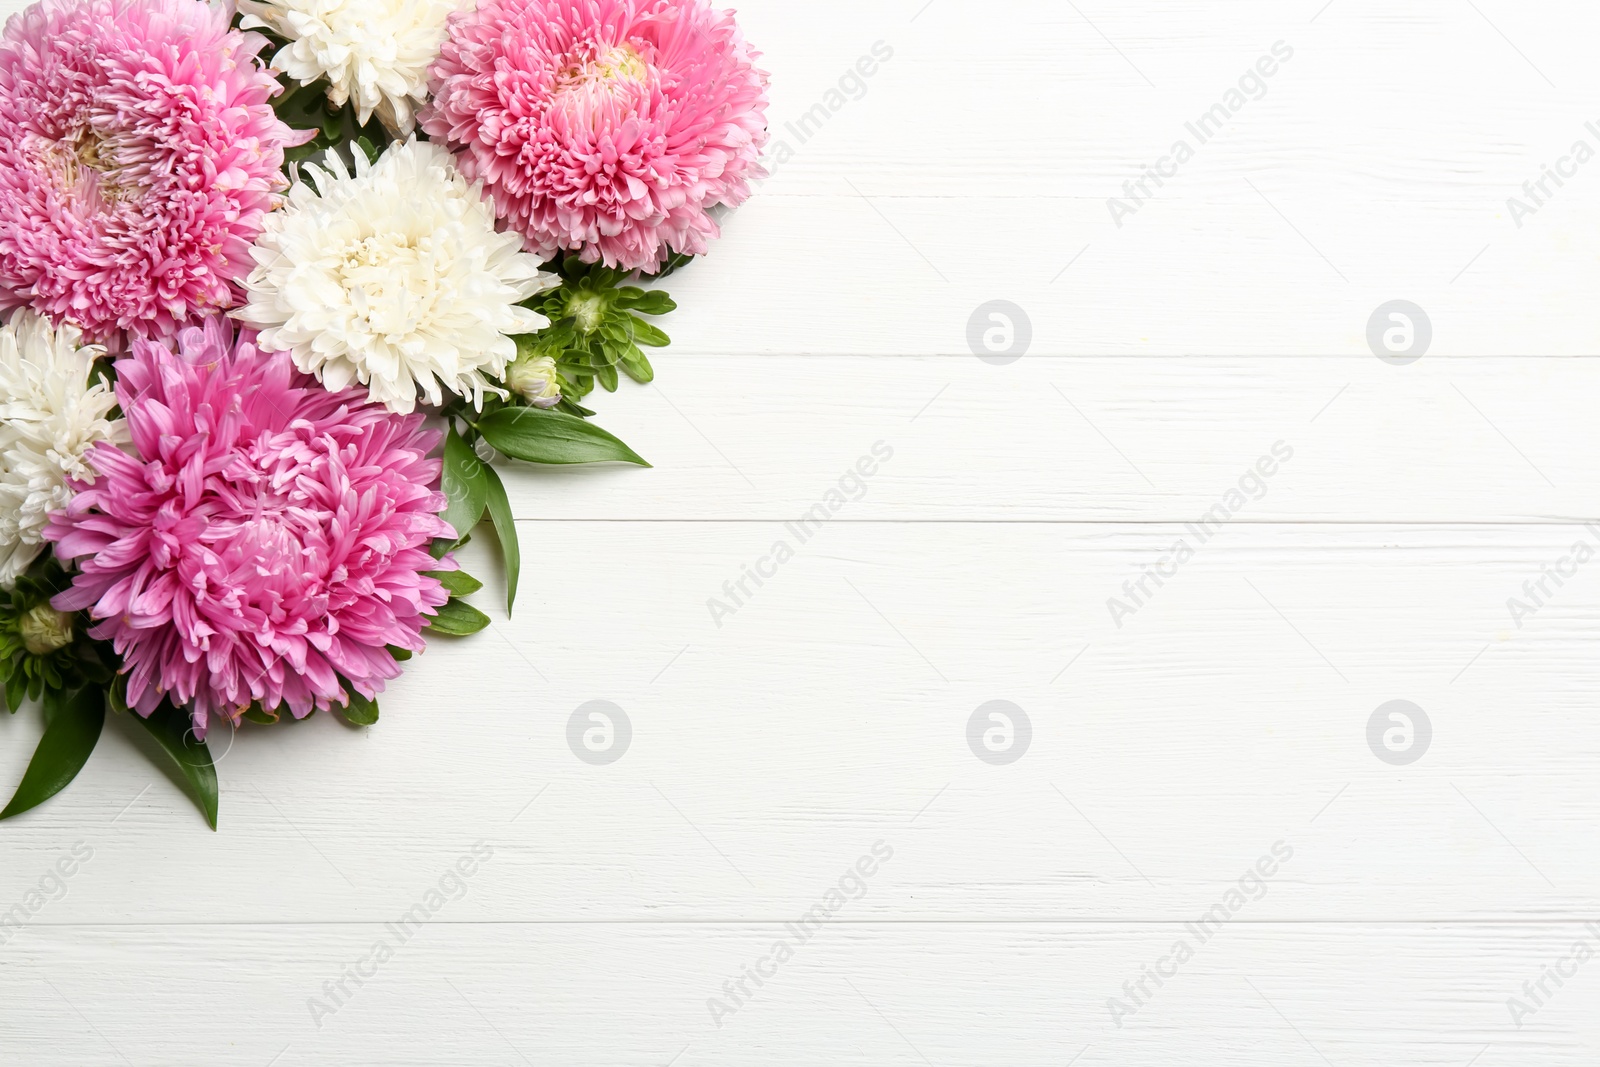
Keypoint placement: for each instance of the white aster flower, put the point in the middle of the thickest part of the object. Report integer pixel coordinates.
(394, 277)
(50, 416)
(374, 52)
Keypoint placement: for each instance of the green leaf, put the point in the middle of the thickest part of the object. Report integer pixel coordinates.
(541, 436)
(400, 654)
(607, 373)
(117, 694)
(637, 364)
(464, 484)
(644, 301)
(457, 583)
(74, 724)
(261, 716)
(505, 528)
(654, 302)
(174, 731)
(16, 690)
(360, 711)
(458, 618)
(646, 334)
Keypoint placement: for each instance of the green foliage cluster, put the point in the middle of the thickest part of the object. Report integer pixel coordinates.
(28, 674)
(595, 328)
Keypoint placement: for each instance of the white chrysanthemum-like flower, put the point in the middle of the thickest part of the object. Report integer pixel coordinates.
(50, 417)
(374, 52)
(395, 277)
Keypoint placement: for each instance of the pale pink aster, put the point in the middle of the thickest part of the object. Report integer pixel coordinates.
(608, 127)
(267, 539)
(139, 153)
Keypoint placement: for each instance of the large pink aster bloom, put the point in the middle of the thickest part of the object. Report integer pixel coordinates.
(604, 126)
(138, 155)
(268, 539)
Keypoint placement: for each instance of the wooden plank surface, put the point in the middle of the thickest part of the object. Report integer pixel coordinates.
(1198, 534)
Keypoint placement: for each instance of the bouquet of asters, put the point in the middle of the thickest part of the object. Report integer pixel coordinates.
(280, 284)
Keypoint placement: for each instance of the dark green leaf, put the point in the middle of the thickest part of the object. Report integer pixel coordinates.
(464, 484)
(307, 108)
(606, 371)
(400, 654)
(458, 618)
(174, 731)
(74, 724)
(261, 716)
(505, 528)
(16, 690)
(360, 711)
(458, 583)
(540, 436)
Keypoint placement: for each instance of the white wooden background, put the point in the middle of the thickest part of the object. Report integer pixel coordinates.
(830, 712)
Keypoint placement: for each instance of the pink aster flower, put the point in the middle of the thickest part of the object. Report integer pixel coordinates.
(605, 126)
(138, 156)
(267, 539)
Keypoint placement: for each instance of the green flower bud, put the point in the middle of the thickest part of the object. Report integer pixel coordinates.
(45, 630)
(588, 310)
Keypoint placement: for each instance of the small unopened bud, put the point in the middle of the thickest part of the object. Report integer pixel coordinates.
(44, 630)
(588, 310)
(534, 378)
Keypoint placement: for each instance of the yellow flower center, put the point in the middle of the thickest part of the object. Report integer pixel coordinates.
(618, 63)
(612, 75)
(88, 170)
